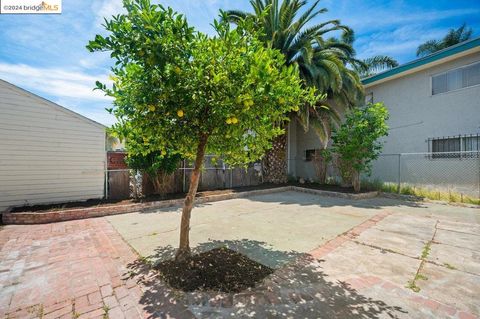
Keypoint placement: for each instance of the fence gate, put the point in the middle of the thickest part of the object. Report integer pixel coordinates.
(118, 176)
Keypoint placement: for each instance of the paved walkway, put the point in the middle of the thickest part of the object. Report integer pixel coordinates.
(84, 269)
(77, 269)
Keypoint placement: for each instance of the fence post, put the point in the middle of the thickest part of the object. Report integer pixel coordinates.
(105, 167)
(478, 156)
(184, 176)
(399, 172)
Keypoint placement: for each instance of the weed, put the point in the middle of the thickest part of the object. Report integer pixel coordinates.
(421, 277)
(106, 309)
(426, 250)
(40, 311)
(411, 285)
(406, 189)
(449, 266)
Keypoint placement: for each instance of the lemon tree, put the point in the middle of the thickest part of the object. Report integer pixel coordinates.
(180, 90)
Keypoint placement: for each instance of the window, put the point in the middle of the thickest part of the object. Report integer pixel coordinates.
(309, 155)
(456, 79)
(461, 146)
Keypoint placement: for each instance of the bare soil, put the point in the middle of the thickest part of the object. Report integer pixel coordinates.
(219, 269)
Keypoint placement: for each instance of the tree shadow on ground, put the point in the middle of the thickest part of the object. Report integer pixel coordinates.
(298, 289)
(306, 199)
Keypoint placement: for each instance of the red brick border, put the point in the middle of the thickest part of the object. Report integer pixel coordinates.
(333, 244)
(27, 218)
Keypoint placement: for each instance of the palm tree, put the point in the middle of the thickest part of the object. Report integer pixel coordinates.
(368, 66)
(374, 65)
(454, 36)
(321, 62)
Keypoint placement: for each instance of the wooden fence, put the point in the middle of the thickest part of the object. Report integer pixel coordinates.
(120, 179)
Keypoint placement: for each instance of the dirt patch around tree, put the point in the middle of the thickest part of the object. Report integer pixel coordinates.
(219, 269)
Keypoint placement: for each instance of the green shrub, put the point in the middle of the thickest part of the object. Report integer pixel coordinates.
(356, 143)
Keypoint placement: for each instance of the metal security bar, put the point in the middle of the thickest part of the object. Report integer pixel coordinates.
(459, 146)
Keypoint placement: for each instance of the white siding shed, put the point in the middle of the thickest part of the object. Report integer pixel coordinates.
(48, 153)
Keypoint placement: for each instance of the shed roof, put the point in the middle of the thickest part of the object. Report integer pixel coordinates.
(55, 105)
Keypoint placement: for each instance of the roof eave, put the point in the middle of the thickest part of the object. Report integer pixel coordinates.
(442, 56)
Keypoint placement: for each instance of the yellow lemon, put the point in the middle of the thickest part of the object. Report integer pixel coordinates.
(234, 120)
(151, 108)
(228, 121)
(247, 103)
(177, 70)
(180, 113)
(163, 153)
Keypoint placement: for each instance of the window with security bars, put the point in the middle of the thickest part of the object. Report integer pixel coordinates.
(461, 146)
(455, 79)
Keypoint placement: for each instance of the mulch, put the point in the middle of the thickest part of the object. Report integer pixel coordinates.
(219, 269)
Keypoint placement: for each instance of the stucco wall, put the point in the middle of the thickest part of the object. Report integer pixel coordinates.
(47, 153)
(415, 116)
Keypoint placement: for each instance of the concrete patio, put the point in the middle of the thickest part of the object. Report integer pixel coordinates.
(335, 258)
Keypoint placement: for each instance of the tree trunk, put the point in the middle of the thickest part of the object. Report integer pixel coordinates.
(184, 246)
(274, 163)
(320, 165)
(356, 180)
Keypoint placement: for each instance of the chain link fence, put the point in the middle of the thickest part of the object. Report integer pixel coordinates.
(451, 176)
(447, 172)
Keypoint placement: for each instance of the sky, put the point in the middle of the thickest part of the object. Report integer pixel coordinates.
(46, 54)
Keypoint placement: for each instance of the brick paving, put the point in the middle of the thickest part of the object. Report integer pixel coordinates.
(303, 289)
(84, 269)
(75, 269)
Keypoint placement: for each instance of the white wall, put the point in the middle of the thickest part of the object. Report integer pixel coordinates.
(47, 153)
(416, 114)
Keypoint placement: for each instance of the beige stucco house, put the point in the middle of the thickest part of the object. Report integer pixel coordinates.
(47, 153)
(434, 105)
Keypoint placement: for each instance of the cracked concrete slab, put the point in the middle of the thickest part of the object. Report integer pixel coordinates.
(458, 239)
(289, 222)
(392, 241)
(411, 225)
(453, 257)
(277, 228)
(353, 259)
(469, 228)
(452, 287)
